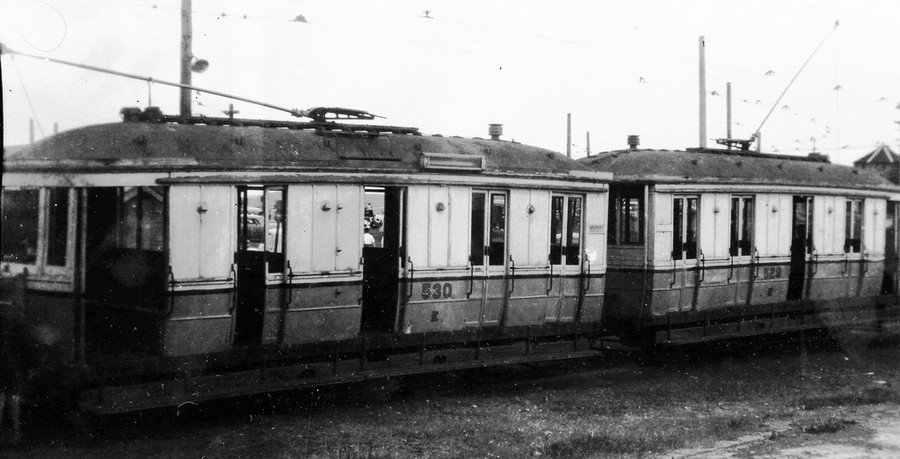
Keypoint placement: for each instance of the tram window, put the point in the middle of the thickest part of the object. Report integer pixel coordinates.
(626, 211)
(742, 214)
(57, 225)
(498, 230)
(565, 220)
(141, 221)
(19, 226)
(853, 227)
(556, 230)
(263, 223)
(477, 239)
(684, 235)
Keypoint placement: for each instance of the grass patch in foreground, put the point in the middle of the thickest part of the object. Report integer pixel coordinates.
(649, 437)
(871, 396)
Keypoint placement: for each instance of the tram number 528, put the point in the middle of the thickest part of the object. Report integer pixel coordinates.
(437, 291)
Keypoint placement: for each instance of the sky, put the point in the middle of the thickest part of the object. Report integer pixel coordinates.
(453, 67)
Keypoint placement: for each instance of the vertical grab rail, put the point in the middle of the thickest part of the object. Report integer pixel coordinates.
(730, 268)
(172, 291)
(756, 264)
(471, 278)
(815, 260)
(702, 267)
(865, 261)
(411, 271)
(290, 282)
(512, 268)
(587, 274)
(233, 290)
(674, 271)
(846, 264)
(550, 287)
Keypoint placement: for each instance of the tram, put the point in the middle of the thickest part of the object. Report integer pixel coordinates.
(708, 244)
(169, 259)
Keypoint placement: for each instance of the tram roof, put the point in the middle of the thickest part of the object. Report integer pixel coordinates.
(188, 147)
(707, 166)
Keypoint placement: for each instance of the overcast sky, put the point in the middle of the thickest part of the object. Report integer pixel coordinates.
(619, 67)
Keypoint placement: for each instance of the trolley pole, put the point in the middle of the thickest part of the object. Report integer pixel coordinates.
(186, 56)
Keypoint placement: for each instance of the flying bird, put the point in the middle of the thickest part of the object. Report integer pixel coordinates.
(770, 73)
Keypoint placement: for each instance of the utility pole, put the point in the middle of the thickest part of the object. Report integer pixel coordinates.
(569, 135)
(186, 56)
(588, 140)
(728, 110)
(702, 93)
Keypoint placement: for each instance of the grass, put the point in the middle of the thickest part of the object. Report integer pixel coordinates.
(629, 410)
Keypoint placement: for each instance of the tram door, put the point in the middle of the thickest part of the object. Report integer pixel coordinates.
(488, 255)
(565, 256)
(381, 258)
(801, 245)
(250, 301)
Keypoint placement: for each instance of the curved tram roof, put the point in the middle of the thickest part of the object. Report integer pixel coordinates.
(199, 144)
(696, 166)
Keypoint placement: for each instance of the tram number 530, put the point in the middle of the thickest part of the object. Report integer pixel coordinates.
(437, 291)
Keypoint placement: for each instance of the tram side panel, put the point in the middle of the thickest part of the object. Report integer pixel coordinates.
(319, 295)
(201, 292)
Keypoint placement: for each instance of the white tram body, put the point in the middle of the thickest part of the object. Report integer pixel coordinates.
(711, 244)
(160, 239)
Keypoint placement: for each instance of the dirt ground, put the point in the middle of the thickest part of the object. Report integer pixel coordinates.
(811, 398)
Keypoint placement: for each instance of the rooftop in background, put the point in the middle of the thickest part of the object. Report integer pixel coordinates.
(883, 161)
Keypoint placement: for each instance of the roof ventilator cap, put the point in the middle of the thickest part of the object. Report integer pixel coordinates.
(634, 141)
(495, 131)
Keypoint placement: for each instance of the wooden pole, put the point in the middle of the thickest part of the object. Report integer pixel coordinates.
(702, 93)
(569, 135)
(588, 140)
(186, 56)
(728, 110)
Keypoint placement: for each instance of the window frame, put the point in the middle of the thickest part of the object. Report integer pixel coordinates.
(685, 254)
(740, 227)
(854, 207)
(619, 229)
(566, 235)
(41, 264)
(488, 257)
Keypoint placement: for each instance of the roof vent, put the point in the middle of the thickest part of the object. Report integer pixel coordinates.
(634, 141)
(495, 131)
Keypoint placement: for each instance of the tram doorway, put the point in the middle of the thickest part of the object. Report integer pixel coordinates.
(383, 240)
(801, 245)
(252, 259)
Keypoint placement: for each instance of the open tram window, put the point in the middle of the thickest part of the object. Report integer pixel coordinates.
(125, 244)
(20, 226)
(684, 234)
(742, 214)
(565, 230)
(626, 215)
(263, 223)
(488, 228)
(853, 227)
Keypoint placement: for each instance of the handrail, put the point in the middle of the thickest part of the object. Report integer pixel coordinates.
(171, 292)
(411, 270)
(586, 275)
(290, 282)
(730, 268)
(865, 261)
(550, 287)
(846, 263)
(513, 269)
(702, 267)
(815, 260)
(471, 278)
(756, 265)
(233, 290)
(674, 271)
